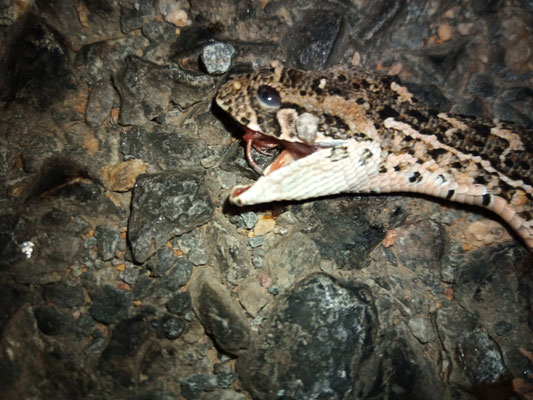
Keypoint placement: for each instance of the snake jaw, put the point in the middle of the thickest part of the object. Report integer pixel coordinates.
(292, 153)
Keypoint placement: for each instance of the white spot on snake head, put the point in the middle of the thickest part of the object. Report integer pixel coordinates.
(307, 127)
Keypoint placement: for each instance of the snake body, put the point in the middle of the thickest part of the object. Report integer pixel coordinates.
(350, 130)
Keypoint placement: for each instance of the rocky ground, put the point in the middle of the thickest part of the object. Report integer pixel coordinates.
(124, 273)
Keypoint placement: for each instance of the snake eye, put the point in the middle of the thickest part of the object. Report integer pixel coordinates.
(269, 96)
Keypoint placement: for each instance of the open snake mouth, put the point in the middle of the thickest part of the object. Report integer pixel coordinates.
(292, 151)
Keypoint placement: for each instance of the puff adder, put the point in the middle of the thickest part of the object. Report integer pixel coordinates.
(349, 130)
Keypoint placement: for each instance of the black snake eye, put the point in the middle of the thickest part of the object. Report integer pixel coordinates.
(269, 96)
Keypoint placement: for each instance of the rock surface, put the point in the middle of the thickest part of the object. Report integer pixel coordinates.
(125, 274)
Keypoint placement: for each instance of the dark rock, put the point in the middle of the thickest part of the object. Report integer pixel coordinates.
(159, 31)
(506, 112)
(165, 149)
(502, 327)
(162, 262)
(168, 327)
(63, 295)
(346, 234)
(165, 205)
(179, 275)
(130, 20)
(480, 84)
(146, 90)
(11, 298)
(110, 305)
(312, 40)
(50, 321)
(118, 358)
(377, 18)
(477, 355)
(325, 331)
(480, 356)
(99, 103)
(165, 286)
(55, 217)
(225, 379)
(180, 303)
(473, 107)
(430, 95)
(36, 65)
(192, 386)
(107, 240)
(419, 245)
(219, 313)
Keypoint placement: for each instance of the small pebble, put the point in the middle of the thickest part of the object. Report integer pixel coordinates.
(444, 32)
(248, 219)
(217, 57)
(256, 241)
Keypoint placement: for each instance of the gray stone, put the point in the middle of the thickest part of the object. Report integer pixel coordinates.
(180, 303)
(99, 103)
(217, 57)
(192, 386)
(311, 41)
(256, 241)
(107, 240)
(421, 329)
(165, 205)
(198, 256)
(146, 89)
(248, 219)
(312, 344)
(219, 313)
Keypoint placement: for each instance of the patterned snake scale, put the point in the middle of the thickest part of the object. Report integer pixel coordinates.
(349, 130)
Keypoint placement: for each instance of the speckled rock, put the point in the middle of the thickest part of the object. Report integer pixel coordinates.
(183, 203)
(318, 336)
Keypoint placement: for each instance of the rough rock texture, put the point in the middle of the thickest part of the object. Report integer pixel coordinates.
(124, 274)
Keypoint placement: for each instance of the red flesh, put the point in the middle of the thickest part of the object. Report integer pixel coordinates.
(262, 142)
